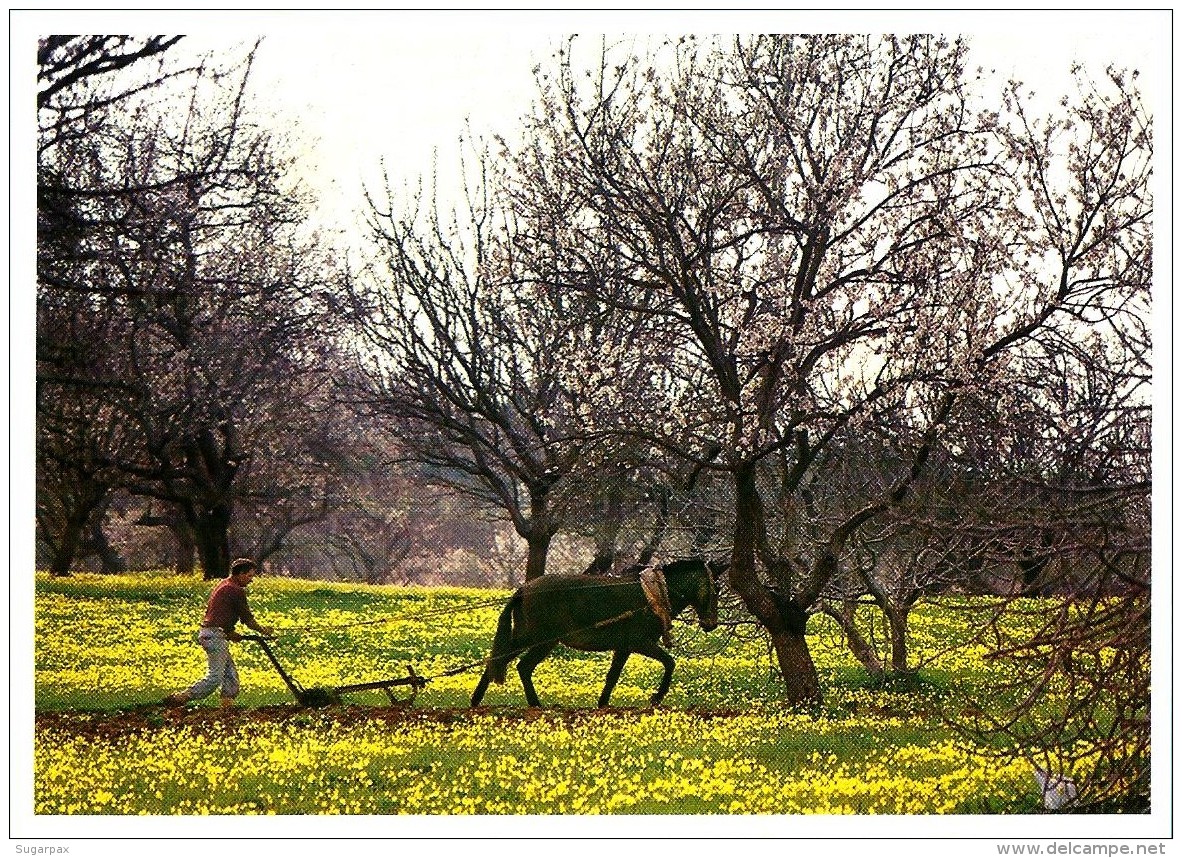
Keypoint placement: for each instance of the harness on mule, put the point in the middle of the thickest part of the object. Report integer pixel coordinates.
(656, 591)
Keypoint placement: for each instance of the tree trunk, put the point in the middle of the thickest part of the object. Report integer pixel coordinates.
(801, 683)
(112, 562)
(538, 541)
(1034, 564)
(784, 619)
(67, 545)
(858, 644)
(538, 531)
(96, 541)
(211, 532)
(186, 549)
(1032, 575)
(897, 619)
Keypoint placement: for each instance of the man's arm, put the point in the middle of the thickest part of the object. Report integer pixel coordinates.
(248, 620)
(265, 631)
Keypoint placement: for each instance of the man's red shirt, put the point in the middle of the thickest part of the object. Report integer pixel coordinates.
(227, 605)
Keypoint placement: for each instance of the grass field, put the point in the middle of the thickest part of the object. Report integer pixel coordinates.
(723, 742)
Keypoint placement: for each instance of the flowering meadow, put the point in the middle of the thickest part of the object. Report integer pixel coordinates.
(111, 647)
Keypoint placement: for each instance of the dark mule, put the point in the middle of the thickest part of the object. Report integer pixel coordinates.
(596, 613)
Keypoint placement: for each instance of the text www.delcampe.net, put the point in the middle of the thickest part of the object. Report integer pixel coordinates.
(1084, 848)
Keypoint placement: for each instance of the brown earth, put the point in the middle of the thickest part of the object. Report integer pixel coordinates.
(108, 725)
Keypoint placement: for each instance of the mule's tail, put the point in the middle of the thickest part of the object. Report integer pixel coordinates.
(502, 648)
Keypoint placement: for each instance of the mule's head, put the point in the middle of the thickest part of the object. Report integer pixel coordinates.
(692, 584)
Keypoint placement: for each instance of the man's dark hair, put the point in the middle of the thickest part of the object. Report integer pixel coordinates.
(242, 564)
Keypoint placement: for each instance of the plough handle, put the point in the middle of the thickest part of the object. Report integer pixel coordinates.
(293, 686)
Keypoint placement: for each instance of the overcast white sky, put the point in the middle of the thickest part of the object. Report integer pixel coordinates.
(367, 87)
(400, 86)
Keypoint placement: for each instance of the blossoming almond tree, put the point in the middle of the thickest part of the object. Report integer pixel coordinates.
(1075, 436)
(842, 232)
(169, 237)
(485, 371)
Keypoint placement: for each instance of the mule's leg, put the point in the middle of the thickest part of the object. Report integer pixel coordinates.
(652, 650)
(481, 686)
(525, 668)
(613, 675)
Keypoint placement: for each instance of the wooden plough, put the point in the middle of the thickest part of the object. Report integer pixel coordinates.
(327, 696)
